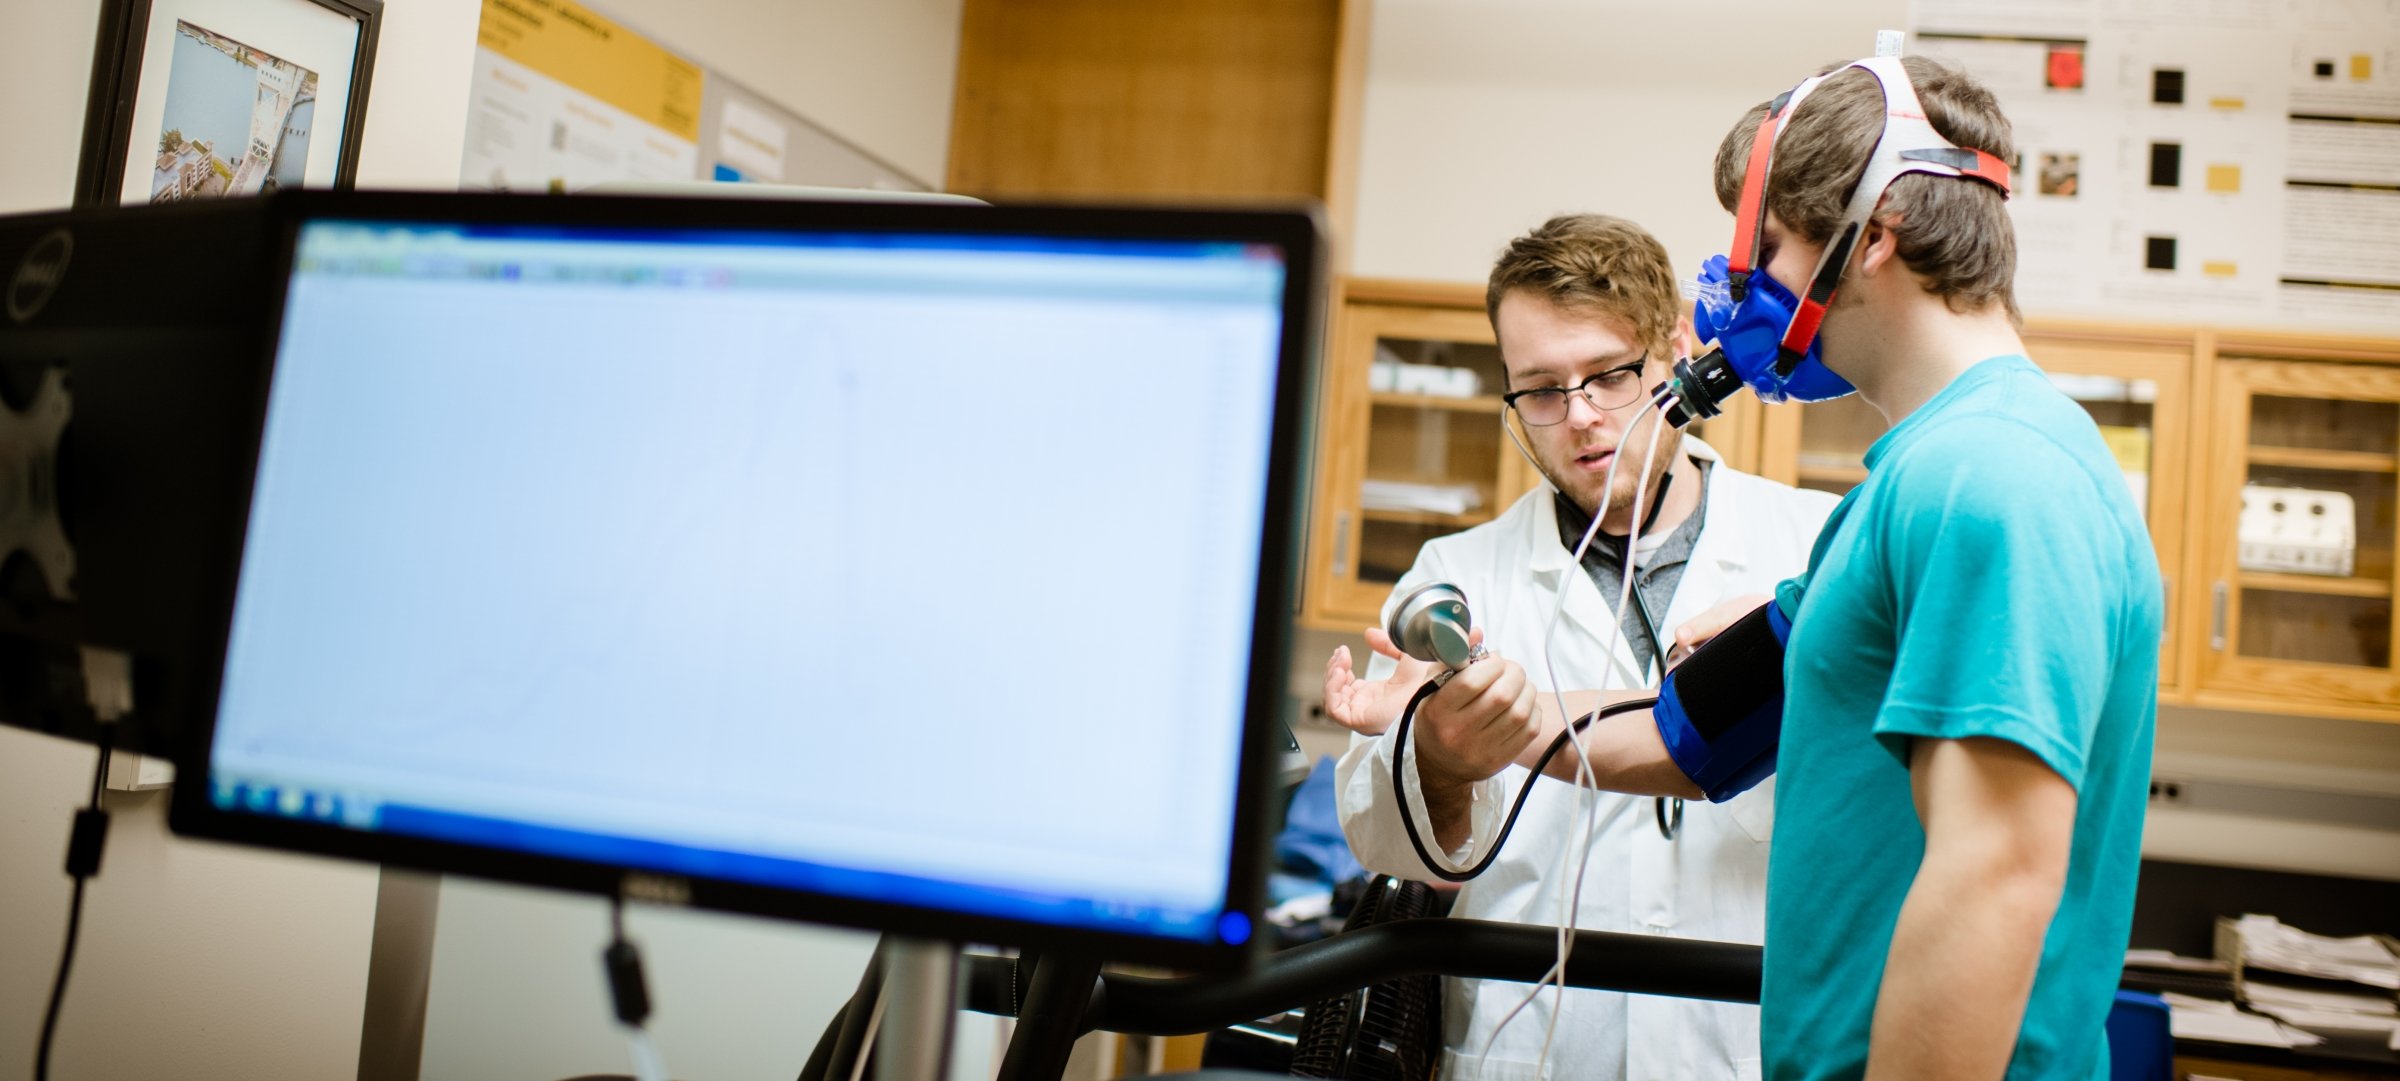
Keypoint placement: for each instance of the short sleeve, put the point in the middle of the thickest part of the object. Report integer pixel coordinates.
(2003, 564)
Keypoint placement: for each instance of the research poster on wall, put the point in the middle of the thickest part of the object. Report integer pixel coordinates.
(747, 138)
(564, 98)
(2236, 158)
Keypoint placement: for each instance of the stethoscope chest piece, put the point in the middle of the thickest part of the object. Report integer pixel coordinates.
(1431, 624)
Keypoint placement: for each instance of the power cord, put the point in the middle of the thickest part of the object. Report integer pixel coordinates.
(84, 843)
(629, 994)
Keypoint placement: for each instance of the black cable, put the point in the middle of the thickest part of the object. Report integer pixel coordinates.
(628, 993)
(1507, 825)
(84, 842)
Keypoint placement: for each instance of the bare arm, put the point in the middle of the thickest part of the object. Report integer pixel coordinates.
(1626, 751)
(1998, 827)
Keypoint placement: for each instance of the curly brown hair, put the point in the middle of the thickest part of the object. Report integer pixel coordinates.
(1957, 236)
(1591, 264)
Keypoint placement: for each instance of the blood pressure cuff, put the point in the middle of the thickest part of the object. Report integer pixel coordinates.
(1721, 710)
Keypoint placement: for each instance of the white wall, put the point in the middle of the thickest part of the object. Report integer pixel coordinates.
(39, 169)
(2306, 753)
(517, 992)
(878, 74)
(196, 960)
(1483, 117)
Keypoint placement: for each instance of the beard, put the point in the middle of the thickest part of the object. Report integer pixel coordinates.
(1620, 494)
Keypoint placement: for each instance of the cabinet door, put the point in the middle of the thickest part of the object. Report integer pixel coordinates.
(1410, 452)
(1406, 454)
(2139, 393)
(2289, 621)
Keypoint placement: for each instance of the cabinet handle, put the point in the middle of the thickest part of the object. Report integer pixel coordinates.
(2216, 619)
(2166, 621)
(1341, 544)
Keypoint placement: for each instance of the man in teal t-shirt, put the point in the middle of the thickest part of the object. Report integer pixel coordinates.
(1970, 674)
(1990, 581)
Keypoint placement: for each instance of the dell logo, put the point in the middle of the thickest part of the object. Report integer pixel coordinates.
(38, 276)
(656, 889)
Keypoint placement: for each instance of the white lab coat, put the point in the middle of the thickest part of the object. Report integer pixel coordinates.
(1709, 883)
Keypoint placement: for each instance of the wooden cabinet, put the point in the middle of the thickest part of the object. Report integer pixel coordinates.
(2322, 635)
(2194, 416)
(1412, 451)
(1162, 99)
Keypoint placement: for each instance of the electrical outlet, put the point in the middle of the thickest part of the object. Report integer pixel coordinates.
(2170, 791)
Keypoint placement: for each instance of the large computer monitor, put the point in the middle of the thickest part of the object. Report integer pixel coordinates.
(925, 568)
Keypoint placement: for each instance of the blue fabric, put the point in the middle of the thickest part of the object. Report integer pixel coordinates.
(1990, 578)
(1311, 843)
(2141, 1040)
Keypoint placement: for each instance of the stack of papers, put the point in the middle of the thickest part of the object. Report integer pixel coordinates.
(2325, 1011)
(2336, 986)
(2266, 943)
(1429, 498)
(2207, 1019)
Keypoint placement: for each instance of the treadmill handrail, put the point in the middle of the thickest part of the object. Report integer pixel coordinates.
(1465, 949)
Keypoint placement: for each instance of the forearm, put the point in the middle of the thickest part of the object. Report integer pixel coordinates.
(1447, 804)
(1625, 750)
(1959, 972)
(1371, 807)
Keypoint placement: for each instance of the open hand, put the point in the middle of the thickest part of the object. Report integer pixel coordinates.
(1370, 707)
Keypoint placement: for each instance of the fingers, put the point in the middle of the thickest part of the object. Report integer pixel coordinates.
(1382, 643)
(1696, 632)
(1481, 719)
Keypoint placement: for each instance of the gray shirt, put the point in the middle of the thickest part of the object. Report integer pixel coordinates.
(1657, 571)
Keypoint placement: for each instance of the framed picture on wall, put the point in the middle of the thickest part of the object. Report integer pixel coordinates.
(205, 99)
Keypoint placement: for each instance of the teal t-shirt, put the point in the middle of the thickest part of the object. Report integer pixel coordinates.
(1991, 577)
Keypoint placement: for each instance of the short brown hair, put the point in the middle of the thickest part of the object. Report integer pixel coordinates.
(1955, 234)
(1594, 264)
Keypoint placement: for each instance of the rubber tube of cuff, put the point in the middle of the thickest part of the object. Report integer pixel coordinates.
(1408, 823)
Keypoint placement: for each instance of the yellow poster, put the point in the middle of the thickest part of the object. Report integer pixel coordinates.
(571, 44)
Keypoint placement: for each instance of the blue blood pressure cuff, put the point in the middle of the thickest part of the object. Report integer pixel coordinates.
(1721, 710)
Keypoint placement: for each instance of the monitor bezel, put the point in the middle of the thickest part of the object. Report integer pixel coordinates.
(1297, 232)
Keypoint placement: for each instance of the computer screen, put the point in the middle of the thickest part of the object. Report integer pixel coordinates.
(902, 566)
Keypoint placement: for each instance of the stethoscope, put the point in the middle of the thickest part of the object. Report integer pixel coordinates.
(1668, 809)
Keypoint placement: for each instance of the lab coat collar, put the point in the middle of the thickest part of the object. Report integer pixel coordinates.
(1724, 521)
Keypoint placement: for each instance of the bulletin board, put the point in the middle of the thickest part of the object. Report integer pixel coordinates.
(564, 97)
(2231, 161)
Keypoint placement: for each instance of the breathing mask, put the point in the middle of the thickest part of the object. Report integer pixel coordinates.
(1766, 336)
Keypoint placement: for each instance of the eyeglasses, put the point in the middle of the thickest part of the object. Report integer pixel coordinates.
(1615, 388)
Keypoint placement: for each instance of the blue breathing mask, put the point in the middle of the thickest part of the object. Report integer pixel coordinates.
(1750, 332)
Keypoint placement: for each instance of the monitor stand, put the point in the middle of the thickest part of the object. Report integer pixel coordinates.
(1050, 1019)
(920, 994)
